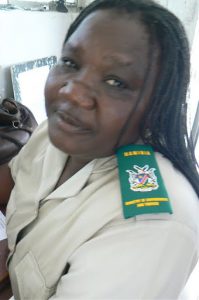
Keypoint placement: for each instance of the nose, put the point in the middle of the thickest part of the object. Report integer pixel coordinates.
(78, 93)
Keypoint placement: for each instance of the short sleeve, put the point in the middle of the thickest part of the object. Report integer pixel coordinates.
(145, 260)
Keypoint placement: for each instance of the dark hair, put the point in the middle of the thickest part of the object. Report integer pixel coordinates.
(165, 124)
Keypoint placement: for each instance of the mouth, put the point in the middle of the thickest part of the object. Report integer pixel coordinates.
(70, 123)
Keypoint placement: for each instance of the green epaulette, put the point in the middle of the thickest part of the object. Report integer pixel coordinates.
(142, 187)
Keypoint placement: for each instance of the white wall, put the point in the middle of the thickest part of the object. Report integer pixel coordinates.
(187, 11)
(26, 36)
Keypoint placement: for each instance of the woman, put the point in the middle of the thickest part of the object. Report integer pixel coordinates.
(121, 80)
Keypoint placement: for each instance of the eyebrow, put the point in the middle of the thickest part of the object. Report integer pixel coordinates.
(67, 46)
(119, 59)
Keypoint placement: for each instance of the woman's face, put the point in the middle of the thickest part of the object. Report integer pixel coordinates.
(97, 83)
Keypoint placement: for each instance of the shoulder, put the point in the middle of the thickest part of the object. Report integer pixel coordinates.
(184, 201)
(39, 136)
(35, 148)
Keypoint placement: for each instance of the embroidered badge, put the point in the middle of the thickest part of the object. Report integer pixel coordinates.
(142, 186)
(144, 180)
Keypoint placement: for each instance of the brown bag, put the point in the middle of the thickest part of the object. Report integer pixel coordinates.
(16, 126)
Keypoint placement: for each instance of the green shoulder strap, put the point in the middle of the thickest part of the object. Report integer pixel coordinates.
(142, 187)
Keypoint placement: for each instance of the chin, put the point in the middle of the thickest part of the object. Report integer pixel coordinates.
(61, 143)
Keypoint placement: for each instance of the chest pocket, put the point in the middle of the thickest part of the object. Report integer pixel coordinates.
(31, 283)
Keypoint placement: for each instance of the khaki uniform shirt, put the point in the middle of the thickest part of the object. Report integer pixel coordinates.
(73, 242)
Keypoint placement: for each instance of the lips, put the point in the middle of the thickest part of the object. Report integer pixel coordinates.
(72, 123)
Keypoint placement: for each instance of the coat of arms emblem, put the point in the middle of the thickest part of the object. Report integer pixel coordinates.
(144, 180)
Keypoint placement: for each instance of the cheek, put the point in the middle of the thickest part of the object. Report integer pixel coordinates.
(114, 118)
(128, 123)
(50, 91)
(132, 132)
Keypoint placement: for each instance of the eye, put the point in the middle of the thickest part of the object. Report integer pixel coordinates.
(69, 63)
(116, 82)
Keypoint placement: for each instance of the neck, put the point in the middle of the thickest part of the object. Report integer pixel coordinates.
(72, 166)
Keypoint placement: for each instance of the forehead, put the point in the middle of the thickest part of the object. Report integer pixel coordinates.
(111, 32)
